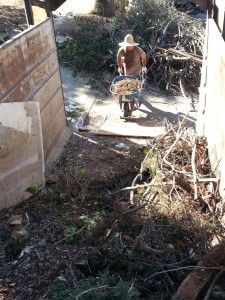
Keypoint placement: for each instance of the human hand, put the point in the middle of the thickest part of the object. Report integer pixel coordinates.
(144, 70)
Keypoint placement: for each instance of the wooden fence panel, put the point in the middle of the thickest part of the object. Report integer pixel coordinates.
(212, 100)
(29, 71)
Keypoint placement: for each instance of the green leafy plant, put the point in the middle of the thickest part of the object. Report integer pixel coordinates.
(165, 221)
(73, 114)
(80, 155)
(145, 151)
(89, 221)
(72, 238)
(34, 188)
(102, 287)
(62, 195)
(83, 54)
(82, 171)
(64, 220)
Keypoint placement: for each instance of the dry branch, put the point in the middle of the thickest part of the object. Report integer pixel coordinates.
(140, 246)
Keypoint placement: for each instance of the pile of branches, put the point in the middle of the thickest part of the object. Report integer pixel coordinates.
(176, 175)
(173, 41)
(176, 55)
(181, 163)
(175, 199)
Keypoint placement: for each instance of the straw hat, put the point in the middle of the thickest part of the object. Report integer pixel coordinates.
(128, 41)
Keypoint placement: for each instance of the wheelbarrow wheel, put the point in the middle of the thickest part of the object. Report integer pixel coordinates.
(126, 109)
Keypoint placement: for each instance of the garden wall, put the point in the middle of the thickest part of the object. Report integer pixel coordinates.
(212, 96)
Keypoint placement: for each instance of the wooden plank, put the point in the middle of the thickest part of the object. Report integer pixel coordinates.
(136, 127)
(190, 56)
(43, 72)
(46, 93)
(214, 102)
(39, 14)
(49, 112)
(38, 3)
(29, 71)
(34, 81)
(54, 4)
(48, 36)
(59, 123)
(31, 44)
(20, 93)
(12, 65)
(57, 145)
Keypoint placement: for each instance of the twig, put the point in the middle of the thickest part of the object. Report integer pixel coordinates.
(194, 171)
(89, 290)
(133, 184)
(138, 176)
(137, 186)
(67, 237)
(28, 221)
(133, 210)
(140, 246)
(183, 268)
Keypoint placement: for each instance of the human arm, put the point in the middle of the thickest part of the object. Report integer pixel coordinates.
(143, 59)
(120, 62)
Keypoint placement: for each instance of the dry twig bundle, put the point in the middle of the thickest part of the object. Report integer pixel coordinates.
(126, 86)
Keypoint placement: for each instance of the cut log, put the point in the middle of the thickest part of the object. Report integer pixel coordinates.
(196, 283)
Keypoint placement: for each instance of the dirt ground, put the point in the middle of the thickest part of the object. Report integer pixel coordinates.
(77, 237)
(79, 234)
(12, 17)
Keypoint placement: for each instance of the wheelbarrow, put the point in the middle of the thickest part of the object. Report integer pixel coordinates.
(129, 100)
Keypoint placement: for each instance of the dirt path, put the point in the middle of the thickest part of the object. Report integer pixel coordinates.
(12, 17)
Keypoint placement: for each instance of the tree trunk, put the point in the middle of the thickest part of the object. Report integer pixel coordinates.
(120, 5)
(105, 8)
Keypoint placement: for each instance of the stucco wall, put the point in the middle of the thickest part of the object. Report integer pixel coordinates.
(212, 100)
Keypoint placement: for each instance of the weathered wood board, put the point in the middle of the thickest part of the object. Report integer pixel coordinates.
(29, 74)
(29, 71)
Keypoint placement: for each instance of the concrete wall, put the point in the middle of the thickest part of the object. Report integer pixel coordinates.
(212, 99)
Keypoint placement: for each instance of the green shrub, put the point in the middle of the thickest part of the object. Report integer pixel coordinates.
(103, 287)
